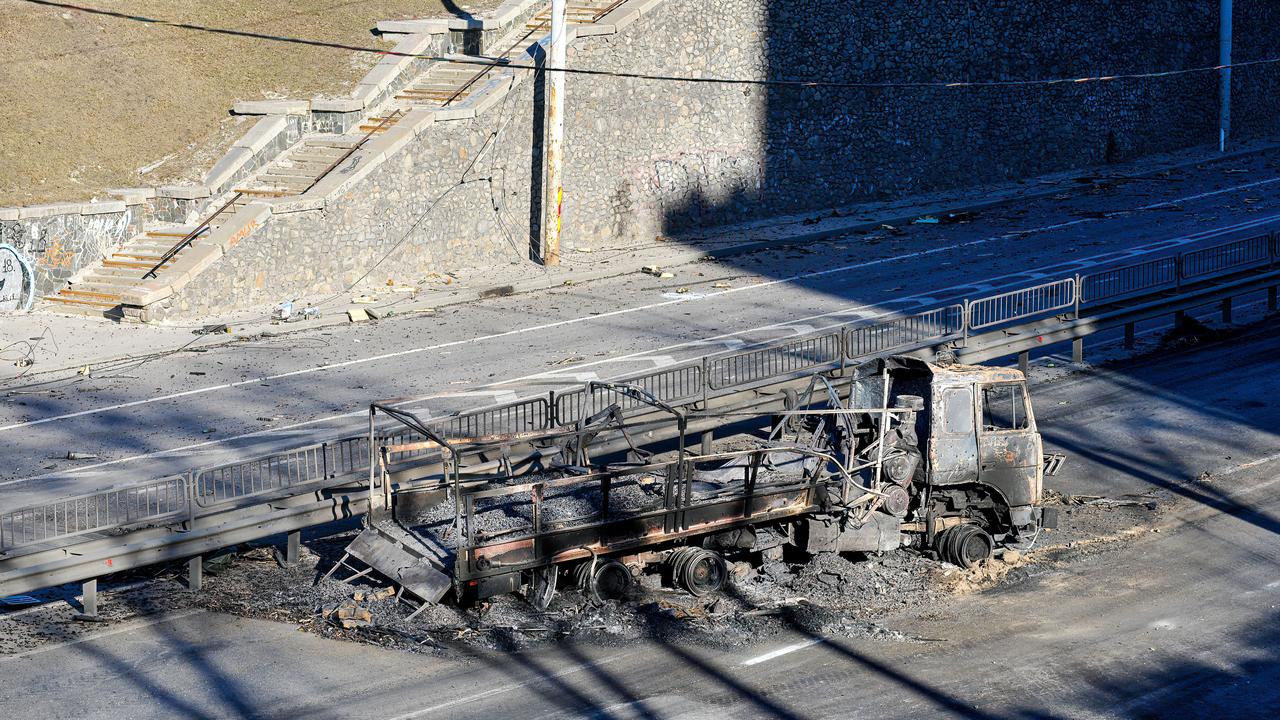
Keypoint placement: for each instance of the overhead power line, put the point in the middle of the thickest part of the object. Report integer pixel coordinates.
(800, 84)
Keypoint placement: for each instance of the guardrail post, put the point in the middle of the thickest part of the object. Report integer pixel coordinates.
(1226, 311)
(195, 574)
(1271, 299)
(292, 548)
(708, 437)
(89, 598)
(1075, 292)
(1177, 272)
(1129, 336)
(1077, 350)
(1179, 318)
(964, 325)
(1024, 361)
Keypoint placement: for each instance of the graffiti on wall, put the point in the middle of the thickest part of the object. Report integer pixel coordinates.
(17, 280)
(56, 247)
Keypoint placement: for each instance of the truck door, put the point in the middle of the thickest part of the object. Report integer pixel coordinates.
(1008, 446)
(953, 458)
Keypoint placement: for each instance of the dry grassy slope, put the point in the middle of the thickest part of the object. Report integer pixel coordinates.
(87, 101)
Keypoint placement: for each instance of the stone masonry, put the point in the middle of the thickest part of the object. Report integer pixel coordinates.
(650, 157)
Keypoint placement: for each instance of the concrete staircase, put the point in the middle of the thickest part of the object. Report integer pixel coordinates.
(298, 169)
(444, 84)
(122, 286)
(99, 291)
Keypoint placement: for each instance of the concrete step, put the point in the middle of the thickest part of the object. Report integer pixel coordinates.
(284, 181)
(95, 294)
(66, 304)
(340, 142)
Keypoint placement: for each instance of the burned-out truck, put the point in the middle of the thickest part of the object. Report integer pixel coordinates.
(942, 458)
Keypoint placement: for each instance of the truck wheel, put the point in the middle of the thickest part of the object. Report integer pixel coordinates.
(543, 587)
(697, 570)
(610, 581)
(965, 545)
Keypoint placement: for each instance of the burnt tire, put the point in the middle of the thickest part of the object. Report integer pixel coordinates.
(697, 570)
(604, 579)
(965, 545)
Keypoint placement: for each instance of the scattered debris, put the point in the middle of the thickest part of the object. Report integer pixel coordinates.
(356, 315)
(283, 311)
(81, 456)
(212, 329)
(1190, 332)
(364, 300)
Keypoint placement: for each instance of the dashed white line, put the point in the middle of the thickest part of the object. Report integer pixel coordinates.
(860, 312)
(780, 652)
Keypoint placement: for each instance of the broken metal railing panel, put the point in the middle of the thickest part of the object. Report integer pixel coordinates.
(670, 385)
(507, 419)
(899, 333)
(161, 500)
(227, 483)
(773, 360)
(1021, 304)
(1233, 255)
(1129, 280)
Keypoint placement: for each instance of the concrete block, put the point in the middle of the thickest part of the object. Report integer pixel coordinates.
(226, 168)
(147, 292)
(183, 192)
(413, 27)
(595, 29)
(645, 6)
(262, 133)
(134, 196)
(271, 107)
(390, 142)
(508, 11)
(313, 200)
(193, 261)
(10, 213)
(419, 119)
(102, 206)
(32, 212)
(491, 94)
(457, 112)
(622, 17)
(342, 105)
(247, 220)
(365, 93)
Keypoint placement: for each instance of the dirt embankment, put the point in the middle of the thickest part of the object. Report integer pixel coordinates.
(90, 102)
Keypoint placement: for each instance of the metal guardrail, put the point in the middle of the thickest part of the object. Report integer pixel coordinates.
(670, 385)
(97, 512)
(183, 496)
(1128, 280)
(888, 335)
(777, 359)
(1021, 304)
(1227, 256)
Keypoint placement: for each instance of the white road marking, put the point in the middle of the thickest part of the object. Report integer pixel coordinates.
(859, 312)
(127, 627)
(780, 652)
(503, 689)
(627, 311)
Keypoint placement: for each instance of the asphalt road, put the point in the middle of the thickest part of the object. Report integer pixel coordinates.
(1176, 623)
(181, 411)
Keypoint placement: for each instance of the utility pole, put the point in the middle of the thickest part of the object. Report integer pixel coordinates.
(1224, 60)
(554, 202)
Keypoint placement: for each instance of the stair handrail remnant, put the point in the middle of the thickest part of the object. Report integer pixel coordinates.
(190, 237)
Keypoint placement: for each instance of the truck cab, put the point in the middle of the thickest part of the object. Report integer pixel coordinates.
(982, 460)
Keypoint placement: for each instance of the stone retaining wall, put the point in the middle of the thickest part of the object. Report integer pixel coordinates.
(60, 240)
(645, 158)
